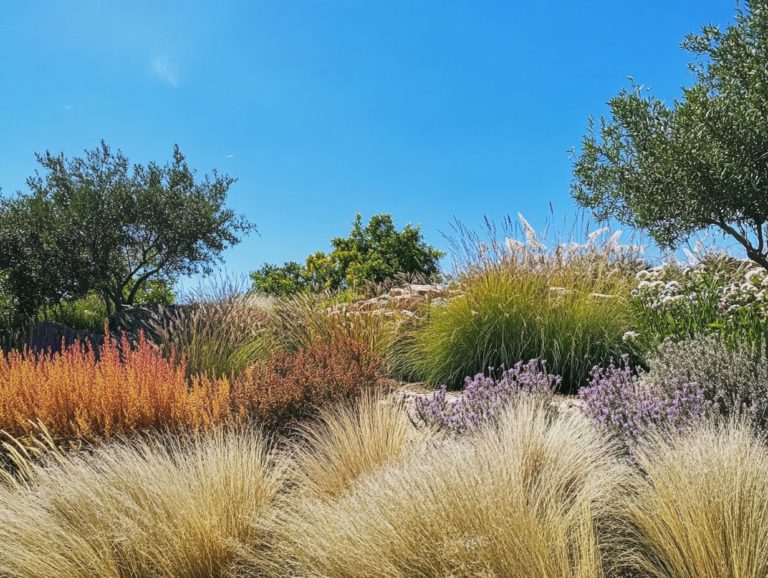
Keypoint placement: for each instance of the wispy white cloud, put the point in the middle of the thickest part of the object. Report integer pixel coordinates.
(69, 107)
(165, 70)
(230, 156)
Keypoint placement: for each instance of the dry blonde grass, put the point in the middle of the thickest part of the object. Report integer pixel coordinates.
(301, 321)
(350, 441)
(178, 507)
(524, 499)
(701, 511)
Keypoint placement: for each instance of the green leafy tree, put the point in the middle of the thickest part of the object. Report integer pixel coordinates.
(98, 223)
(371, 253)
(287, 279)
(698, 163)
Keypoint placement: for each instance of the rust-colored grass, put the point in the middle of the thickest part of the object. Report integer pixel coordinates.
(77, 394)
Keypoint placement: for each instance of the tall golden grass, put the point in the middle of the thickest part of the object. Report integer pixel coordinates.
(170, 507)
(701, 509)
(350, 441)
(360, 492)
(524, 499)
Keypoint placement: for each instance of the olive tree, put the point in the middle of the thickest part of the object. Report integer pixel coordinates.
(700, 162)
(98, 223)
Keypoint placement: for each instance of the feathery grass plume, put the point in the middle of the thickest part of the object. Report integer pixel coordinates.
(701, 507)
(518, 301)
(350, 441)
(302, 321)
(219, 332)
(74, 394)
(527, 498)
(170, 507)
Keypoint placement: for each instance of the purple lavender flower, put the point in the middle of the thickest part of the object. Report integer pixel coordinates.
(620, 401)
(484, 397)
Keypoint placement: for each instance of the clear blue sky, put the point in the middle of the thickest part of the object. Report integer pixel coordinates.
(324, 108)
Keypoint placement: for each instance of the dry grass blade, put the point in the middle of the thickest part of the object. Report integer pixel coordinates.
(350, 441)
(701, 509)
(175, 507)
(527, 500)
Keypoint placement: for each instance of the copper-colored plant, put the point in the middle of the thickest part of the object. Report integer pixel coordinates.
(76, 393)
(291, 386)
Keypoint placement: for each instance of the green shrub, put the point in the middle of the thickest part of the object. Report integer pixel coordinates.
(88, 313)
(371, 254)
(717, 294)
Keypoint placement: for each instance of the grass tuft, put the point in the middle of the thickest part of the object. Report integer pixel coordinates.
(170, 507)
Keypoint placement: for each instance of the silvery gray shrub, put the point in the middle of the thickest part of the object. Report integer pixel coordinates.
(732, 375)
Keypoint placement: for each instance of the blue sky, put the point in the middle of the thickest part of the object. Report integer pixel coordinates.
(428, 110)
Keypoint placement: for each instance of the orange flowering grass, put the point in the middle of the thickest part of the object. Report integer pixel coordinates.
(77, 394)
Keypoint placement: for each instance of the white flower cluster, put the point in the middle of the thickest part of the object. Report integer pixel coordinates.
(656, 291)
(747, 295)
(742, 290)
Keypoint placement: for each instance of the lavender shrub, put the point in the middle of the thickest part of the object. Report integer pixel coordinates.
(483, 397)
(622, 402)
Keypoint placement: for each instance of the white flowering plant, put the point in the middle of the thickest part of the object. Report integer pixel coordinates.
(716, 294)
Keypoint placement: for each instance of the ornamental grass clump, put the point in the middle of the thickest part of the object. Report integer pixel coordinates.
(619, 400)
(307, 319)
(175, 507)
(484, 398)
(220, 333)
(567, 306)
(532, 496)
(700, 508)
(349, 441)
(75, 394)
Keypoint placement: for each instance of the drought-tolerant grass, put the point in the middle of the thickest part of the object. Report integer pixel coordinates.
(218, 335)
(305, 320)
(701, 509)
(507, 313)
(540, 492)
(526, 499)
(350, 441)
(170, 507)
(77, 394)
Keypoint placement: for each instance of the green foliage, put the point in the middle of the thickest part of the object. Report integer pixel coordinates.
(287, 279)
(372, 253)
(720, 295)
(90, 312)
(98, 223)
(502, 316)
(699, 163)
(219, 335)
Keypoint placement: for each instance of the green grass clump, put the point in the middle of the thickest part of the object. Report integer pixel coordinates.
(217, 335)
(505, 314)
